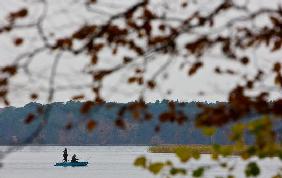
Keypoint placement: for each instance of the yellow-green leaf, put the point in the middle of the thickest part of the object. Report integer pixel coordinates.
(252, 170)
(168, 163)
(209, 131)
(175, 171)
(198, 172)
(196, 154)
(140, 162)
(155, 168)
(183, 153)
(237, 132)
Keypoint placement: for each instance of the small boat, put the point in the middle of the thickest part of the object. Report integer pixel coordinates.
(72, 164)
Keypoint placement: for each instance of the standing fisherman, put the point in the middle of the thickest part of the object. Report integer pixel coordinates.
(65, 155)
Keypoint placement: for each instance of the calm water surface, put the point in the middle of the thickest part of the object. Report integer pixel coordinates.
(105, 162)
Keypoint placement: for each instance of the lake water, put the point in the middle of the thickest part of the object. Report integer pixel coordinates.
(106, 162)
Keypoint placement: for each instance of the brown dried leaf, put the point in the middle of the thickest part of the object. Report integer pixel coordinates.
(277, 45)
(195, 67)
(34, 96)
(68, 126)
(162, 27)
(184, 4)
(140, 80)
(99, 75)
(120, 124)
(250, 84)
(29, 119)
(217, 70)
(94, 59)
(3, 93)
(64, 43)
(148, 116)
(86, 107)
(92, 1)
(3, 81)
(276, 108)
(245, 60)
(18, 14)
(84, 32)
(12, 69)
(78, 97)
(275, 21)
(131, 79)
(151, 84)
(277, 67)
(91, 125)
(18, 41)
(127, 59)
(167, 117)
(278, 80)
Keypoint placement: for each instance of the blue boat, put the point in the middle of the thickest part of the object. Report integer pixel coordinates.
(72, 164)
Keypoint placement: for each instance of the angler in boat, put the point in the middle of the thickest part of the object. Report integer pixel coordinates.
(65, 155)
(74, 161)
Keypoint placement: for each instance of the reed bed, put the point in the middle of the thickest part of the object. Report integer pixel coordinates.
(202, 149)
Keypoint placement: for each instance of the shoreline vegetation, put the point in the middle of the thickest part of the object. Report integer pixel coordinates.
(14, 127)
(201, 149)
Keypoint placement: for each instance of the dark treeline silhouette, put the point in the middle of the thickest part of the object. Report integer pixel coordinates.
(66, 126)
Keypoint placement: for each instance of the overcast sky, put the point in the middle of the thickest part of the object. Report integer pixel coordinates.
(65, 16)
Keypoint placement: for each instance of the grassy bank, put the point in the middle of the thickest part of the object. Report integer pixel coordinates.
(202, 149)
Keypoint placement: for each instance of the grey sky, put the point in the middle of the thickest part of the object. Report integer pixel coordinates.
(65, 16)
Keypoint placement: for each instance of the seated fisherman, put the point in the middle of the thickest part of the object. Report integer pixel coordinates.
(74, 159)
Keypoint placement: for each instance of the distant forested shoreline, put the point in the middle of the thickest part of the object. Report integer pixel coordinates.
(67, 126)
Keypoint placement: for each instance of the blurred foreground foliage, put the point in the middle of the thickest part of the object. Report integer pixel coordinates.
(147, 30)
